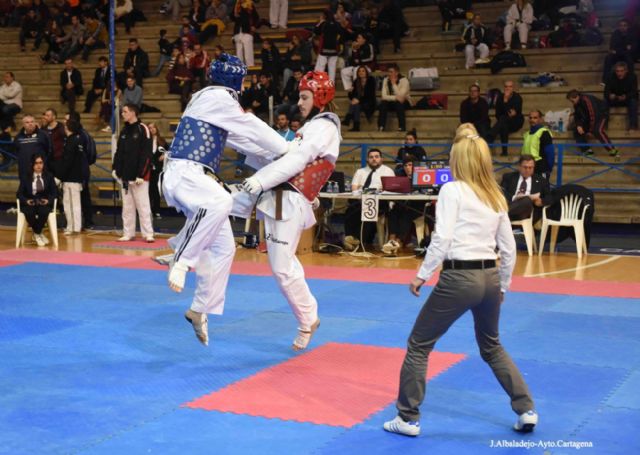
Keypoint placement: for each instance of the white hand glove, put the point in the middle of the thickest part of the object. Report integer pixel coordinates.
(252, 185)
(139, 181)
(315, 204)
(292, 146)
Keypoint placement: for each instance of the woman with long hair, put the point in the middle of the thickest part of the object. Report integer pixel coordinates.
(471, 221)
(362, 98)
(180, 80)
(157, 161)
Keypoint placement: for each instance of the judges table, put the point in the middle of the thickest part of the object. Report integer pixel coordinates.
(370, 211)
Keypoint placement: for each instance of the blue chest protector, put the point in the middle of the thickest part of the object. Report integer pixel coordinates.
(199, 141)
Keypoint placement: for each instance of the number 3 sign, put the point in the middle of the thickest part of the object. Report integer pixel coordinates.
(369, 210)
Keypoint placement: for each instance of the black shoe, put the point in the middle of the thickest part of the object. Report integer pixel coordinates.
(347, 120)
(504, 153)
(356, 127)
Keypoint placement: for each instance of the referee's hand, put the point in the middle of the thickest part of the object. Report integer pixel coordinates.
(415, 285)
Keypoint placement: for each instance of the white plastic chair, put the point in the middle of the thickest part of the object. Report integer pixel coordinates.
(21, 225)
(529, 234)
(570, 216)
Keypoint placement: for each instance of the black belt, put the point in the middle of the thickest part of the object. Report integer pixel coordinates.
(285, 186)
(468, 265)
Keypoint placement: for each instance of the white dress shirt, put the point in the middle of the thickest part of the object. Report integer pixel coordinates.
(360, 177)
(467, 229)
(527, 192)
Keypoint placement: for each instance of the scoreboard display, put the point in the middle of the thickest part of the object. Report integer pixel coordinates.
(431, 174)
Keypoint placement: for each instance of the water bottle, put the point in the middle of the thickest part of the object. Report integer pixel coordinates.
(329, 187)
(560, 126)
(336, 188)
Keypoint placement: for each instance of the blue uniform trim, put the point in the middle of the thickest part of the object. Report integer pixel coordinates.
(198, 141)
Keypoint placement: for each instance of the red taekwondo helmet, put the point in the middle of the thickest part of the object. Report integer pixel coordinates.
(321, 85)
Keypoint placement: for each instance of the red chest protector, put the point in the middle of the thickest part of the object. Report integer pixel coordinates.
(310, 181)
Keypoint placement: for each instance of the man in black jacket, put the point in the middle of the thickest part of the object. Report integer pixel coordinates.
(101, 78)
(590, 116)
(70, 84)
(621, 89)
(132, 168)
(136, 64)
(29, 141)
(525, 191)
(475, 110)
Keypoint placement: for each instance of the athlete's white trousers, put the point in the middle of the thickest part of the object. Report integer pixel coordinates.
(329, 62)
(282, 241)
(278, 12)
(206, 240)
(244, 47)
(72, 207)
(136, 199)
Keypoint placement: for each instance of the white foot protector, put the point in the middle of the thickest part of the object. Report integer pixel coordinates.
(200, 323)
(177, 276)
(304, 337)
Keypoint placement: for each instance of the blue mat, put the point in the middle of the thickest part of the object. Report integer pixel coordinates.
(100, 360)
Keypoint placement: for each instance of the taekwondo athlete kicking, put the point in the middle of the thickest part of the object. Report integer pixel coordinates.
(288, 188)
(213, 118)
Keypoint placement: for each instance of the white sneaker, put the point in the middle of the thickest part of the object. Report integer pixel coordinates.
(177, 276)
(399, 426)
(350, 243)
(106, 129)
(391, 247)
(149, 239)
(44, 239)
(200, 324)
(124, 238)
(526, 422)
(39, 240)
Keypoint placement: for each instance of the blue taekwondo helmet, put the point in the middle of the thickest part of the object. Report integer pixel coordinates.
(228, 70)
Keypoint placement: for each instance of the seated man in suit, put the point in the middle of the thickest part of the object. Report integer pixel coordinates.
(36, 194)
(525, 191)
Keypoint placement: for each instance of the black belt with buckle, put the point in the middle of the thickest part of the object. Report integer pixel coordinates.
(452, 264)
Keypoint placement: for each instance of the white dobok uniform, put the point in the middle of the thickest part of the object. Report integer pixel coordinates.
(318, 138)
(212, 120)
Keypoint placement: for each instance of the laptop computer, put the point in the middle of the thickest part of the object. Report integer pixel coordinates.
(396, 184)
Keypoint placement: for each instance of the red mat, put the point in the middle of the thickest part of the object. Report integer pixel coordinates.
(160, 244)
(4, 263)
(337, 384)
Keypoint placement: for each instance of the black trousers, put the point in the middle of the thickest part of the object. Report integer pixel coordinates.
(36, 216)
(86, 204)
(154, 193)
(503, 127)
(400, 110)
(91, 98)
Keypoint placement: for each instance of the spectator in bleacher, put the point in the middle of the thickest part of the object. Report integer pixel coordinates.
(36, 194)
(402, 214)
(72, 39)
(476, 38)
(519, 18)
(343, 18)
(73, 175)
(330, 34)
(196, 14)
(180, 80)
(32, 27)
(95, 36)
(362, 98)
(199, 64)
(257, 99)
(410, 150)
(132, 93)
(621, 89)
(509, 118)
(295, 123)
(525, 191)
(538, 142)
(450, 9)
(216, 17)
(166, 51)
(106, 106)
(590, 117)
(29, 141)
(10, 100)
(56, 133)
(290, 95)
(297, 57)
(187, 31)
(395, 97)
(271, 62)
(101, 77)
(475, 110)
(42, 10)
(132, 168)
(622, 47)
(282, 127)
(87, 143)
(136, 63)
(53, 35)
(70, 84)
(173, 7)
(246, 25)
(157, 162)
(124, 14)
(391, 24)
(368, 177)
(278, 13)
(361, 53)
